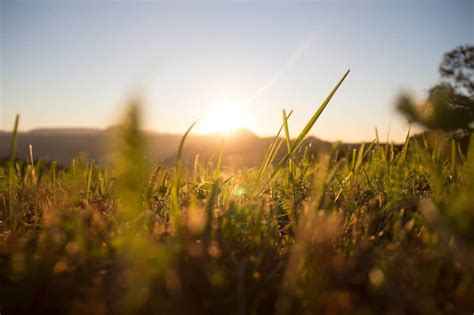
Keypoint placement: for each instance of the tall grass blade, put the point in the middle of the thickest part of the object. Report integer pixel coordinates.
(12, 177)
(309, 125)
(287, 131)
(219, 159)
(14, 139)
(175, 211)
(89, 181)
(403, 153)
(270, 154)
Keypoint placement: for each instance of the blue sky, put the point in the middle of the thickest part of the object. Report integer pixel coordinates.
(75, 63)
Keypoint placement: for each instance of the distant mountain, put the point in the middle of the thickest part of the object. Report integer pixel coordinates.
(242, 148)
(63, 131)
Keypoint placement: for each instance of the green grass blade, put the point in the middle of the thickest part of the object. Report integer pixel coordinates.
(318, 113)
(14, 139)
(453, 156)
(219, 160)
(12, 174)
(309, 125)
(175, 213)
(270, 154)
(287, 132)
(403, 154)
(89, 181)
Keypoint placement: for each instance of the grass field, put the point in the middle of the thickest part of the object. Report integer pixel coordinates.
(381, 230)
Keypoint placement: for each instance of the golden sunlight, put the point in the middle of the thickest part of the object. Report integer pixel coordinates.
(224, 118)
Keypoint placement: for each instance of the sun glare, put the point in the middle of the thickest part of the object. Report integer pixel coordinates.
(223, 118)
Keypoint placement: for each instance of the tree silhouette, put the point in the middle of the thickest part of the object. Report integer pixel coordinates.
(450, 104)
(457, 70)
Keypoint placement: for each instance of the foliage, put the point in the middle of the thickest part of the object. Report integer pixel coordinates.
(450, 104)
(457, 70)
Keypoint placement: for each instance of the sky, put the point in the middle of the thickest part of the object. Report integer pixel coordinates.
(228, 64)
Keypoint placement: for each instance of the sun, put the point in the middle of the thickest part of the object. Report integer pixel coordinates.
(224, 118)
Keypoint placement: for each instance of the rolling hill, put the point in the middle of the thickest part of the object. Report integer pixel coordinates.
(242, 148)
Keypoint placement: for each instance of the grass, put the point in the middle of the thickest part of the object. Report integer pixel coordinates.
(380, 229)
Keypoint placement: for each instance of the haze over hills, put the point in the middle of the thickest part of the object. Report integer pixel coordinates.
(241, 148)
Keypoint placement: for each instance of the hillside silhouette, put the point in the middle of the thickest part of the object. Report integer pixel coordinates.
(241, 148)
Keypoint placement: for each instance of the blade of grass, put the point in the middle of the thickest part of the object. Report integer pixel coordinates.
(290, 167)
(14, 139)
(453, 156)
(175, 213)
(219, 160)
(403, 154)
(309, 125)
(270, 154)
(89, 181)
(287, 132)
(12, 174)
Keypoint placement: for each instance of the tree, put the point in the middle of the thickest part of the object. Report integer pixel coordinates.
(450, 104)
(457, 70)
